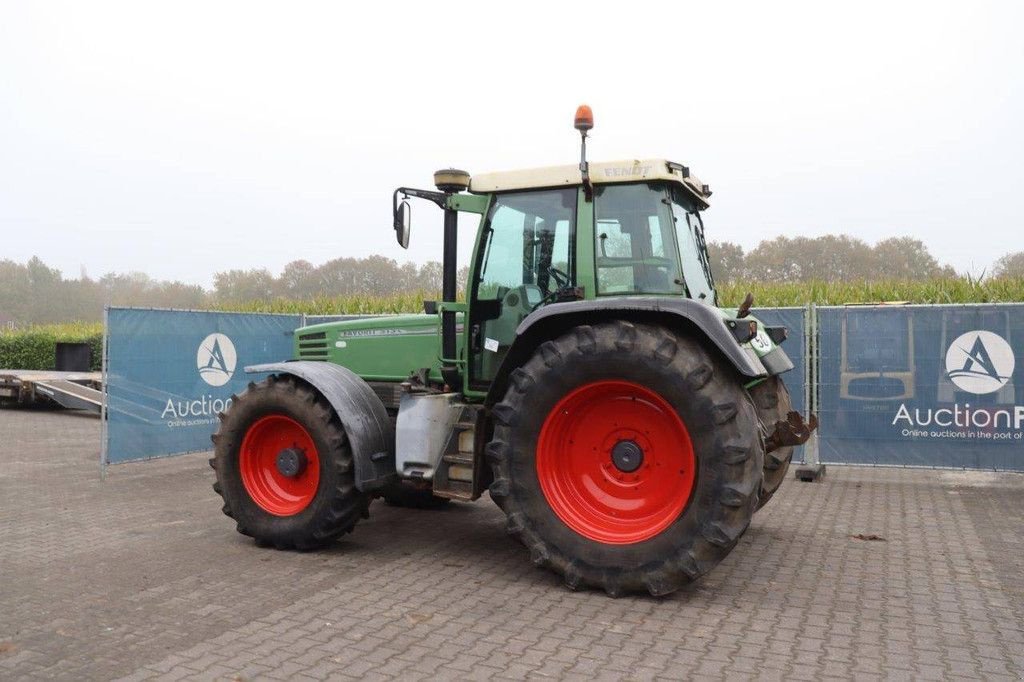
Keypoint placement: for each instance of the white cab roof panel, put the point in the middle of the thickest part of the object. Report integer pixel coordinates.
(601, 172)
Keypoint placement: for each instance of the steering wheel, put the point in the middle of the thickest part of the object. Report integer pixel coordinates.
(561, 278)
(563, 281)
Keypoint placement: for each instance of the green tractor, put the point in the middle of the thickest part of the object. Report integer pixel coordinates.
(626, 426)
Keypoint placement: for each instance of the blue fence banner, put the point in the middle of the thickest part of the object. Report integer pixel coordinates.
(169, 372)
(794, 320)
(937, 386)
(932, 386)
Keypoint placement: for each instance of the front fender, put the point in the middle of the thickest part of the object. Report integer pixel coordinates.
(361, 413)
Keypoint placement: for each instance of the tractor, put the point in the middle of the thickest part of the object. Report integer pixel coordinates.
(587, 381)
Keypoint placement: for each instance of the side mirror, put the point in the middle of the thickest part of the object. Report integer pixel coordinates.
(403, 217)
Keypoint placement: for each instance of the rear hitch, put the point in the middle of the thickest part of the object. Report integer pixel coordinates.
(793, 431)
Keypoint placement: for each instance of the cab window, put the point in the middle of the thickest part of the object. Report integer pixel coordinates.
(693, 251)
(635, 248)
(526, 254)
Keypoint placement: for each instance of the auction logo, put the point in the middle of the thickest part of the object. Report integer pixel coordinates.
(979, 362)
(216, 359)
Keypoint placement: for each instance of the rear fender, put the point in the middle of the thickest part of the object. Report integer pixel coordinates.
(692, 316)
(361, 413)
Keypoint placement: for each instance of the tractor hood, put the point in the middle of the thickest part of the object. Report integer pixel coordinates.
(378, 348)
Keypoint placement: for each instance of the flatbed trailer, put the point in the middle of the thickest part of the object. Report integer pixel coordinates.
(73, 390)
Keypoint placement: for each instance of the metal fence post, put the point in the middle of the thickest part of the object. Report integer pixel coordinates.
(106, 395)
(812, 469)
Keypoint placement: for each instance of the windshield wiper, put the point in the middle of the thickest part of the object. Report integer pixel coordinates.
(702, 255)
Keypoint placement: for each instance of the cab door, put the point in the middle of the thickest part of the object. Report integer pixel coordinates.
(524, 255)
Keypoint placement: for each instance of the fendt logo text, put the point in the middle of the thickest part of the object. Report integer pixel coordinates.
(979, 362)
(216, 359)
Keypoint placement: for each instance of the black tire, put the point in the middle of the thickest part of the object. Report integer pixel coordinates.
(337, 504)
(413, 498)
(722, 423)
(773, 403)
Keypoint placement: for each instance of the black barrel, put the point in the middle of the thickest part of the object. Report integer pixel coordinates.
(73, 357)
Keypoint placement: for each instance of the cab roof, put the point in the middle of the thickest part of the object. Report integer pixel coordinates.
(601, 172)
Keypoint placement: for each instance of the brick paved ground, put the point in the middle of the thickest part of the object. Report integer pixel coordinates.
(141, 576)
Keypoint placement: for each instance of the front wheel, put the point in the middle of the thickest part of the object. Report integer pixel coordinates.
(284, 467)
(626, 457)
(771, 397)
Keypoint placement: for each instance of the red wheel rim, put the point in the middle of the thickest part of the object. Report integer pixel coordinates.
(586, 487)
(272, 490)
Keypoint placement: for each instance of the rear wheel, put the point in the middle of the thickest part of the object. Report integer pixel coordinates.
(626, 457)
(284, 467)
(771, 397)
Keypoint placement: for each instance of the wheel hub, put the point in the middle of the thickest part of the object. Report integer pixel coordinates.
(291, 462)
(627, 456)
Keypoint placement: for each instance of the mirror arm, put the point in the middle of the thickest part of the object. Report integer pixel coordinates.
(437, 197)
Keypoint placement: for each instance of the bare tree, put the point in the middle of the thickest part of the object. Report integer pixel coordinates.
(1010, 265)
(906, 258)
(726, 260)
(244, 285)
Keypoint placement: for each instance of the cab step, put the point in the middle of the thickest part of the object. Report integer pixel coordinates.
(457, 474)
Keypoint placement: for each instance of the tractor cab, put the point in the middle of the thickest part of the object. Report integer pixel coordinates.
(636, 232)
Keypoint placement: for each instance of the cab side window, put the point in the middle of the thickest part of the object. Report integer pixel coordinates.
(635, 241)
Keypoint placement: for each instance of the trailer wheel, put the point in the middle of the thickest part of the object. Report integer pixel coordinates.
(626, 457)
(771, 397)
(284, 467)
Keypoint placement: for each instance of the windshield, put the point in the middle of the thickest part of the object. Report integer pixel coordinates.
(693, 251)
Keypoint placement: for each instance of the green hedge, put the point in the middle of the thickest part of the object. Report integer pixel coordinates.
(35, 347)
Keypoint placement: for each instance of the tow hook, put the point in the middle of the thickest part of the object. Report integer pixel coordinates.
(793, 431)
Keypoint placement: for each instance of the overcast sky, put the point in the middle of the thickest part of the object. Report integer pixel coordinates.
(183, 138)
